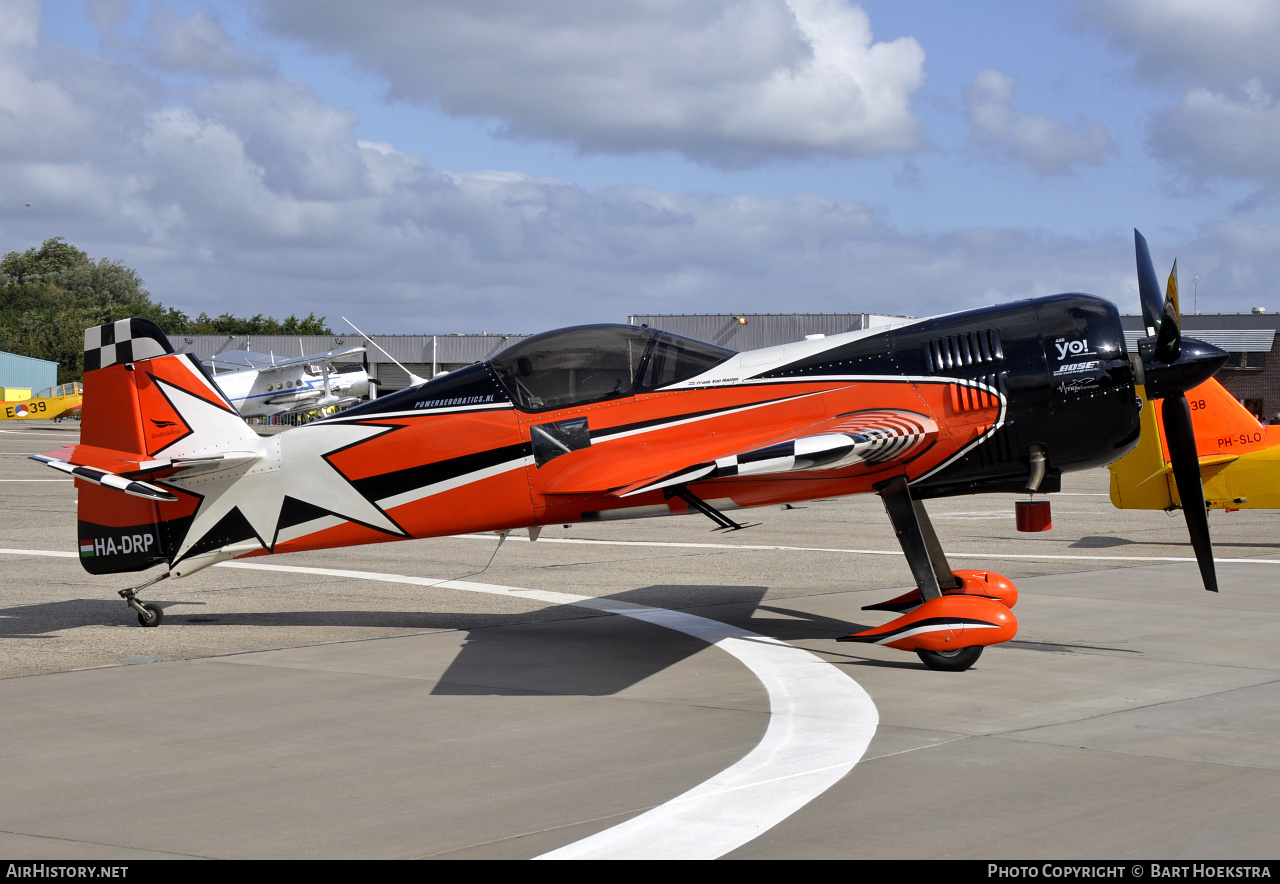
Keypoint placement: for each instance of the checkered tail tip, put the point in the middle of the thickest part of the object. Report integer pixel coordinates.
(127, 340)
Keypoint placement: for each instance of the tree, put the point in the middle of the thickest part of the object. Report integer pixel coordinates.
(42, 264)
(51, 294)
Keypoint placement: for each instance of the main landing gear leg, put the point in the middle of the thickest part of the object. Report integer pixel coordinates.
(928, 565)
(918, 540)
(149, 613)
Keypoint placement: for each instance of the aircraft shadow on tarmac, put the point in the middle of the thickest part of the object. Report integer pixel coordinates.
(609, 654)
(1100, 541)
(567, 650)
(33, 621)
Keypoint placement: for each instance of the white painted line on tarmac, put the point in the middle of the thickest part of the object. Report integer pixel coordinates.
(863, 552)
(55, 435)
(866, 552)
(55, 553)
(820, 722)
(67, 481)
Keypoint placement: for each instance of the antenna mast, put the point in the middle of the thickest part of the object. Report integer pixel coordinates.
(414, 380)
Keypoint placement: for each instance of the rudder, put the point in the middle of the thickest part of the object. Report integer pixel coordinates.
(1222, 425)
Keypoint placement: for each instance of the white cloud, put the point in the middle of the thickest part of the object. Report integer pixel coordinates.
(254, 195)
(1051, 147)
(1223, 57)
(1209, 135)
(19, 24)
(305, 148)
(726, 83)
(197, 44)
(1220, 44)
(51, 98)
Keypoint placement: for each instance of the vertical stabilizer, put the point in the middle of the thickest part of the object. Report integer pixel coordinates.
(148, 413)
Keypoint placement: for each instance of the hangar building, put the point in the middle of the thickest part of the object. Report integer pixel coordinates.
(424, 355)
(27, 372)
(1252, 375)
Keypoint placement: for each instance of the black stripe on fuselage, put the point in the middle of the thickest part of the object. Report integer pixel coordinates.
(390, 484)
(386, 485)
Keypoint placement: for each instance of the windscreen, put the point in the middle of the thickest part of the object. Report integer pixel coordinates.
(675, 359)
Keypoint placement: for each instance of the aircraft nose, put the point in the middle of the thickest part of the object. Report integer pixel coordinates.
(1195, 364)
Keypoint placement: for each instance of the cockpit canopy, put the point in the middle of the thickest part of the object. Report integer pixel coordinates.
(62, 390)
(592, 363)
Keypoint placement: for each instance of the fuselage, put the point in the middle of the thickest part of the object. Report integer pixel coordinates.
(258, 393)
(615, 422)
(489, 448)
(53, 403)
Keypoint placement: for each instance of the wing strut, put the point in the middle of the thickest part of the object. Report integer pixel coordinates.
(696, 503)
(919, 541)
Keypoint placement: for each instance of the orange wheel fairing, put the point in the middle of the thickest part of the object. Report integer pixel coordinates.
(944, 624)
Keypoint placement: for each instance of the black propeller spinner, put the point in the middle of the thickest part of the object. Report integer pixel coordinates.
(1171, 365)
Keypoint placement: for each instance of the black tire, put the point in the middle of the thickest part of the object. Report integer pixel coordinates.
(951, 661)
(157, 615)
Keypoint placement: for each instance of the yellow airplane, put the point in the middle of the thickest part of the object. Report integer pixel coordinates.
(1239, 457)
(55, 402)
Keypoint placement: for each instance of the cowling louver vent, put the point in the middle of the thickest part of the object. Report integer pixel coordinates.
(963, 350)
(997, 449)
(981, 395)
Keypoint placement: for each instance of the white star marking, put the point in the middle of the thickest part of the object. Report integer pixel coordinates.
(291, 464)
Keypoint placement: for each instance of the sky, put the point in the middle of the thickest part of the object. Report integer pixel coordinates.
(515, 165)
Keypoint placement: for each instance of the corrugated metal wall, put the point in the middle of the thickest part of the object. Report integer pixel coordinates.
(420, 349)
(418, 353)
(751, 331)
(1202, 321)
(28, 372)
(1239, 340)
(392, 378)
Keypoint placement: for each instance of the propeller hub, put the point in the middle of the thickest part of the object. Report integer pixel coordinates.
(1196, 363)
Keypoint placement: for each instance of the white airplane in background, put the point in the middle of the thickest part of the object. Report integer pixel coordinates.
(263, 384)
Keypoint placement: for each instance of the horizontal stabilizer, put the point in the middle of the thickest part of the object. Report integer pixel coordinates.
(132, 466)
(106, 479)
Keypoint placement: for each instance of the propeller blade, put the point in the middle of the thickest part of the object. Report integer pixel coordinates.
(1169, 341)
(1180, 436)
(1148, 285)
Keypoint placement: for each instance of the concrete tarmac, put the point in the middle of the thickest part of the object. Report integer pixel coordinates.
(281, 715)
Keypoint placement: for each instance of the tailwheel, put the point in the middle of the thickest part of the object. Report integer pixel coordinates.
(950, 661)
(150, 615)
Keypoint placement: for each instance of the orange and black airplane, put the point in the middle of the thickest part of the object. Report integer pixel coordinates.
(604, 422)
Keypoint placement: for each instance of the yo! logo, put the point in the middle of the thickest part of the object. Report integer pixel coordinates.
(1072, 348)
